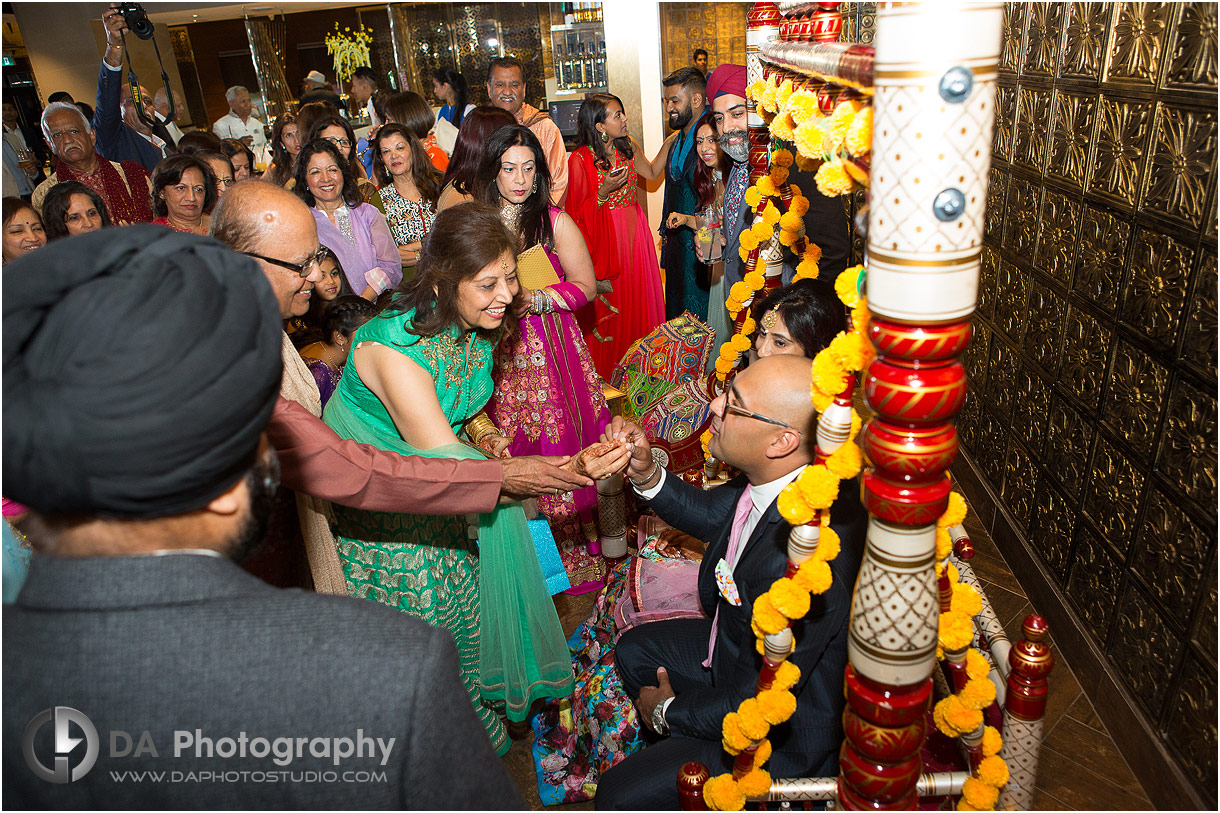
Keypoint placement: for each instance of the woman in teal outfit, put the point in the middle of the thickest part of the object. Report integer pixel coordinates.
(419, 375)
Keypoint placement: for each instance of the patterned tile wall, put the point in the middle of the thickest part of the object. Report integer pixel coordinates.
(718, 28)
(1093, 370)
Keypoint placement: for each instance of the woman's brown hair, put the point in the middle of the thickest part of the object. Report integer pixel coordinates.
(425, 176)
(464, 240)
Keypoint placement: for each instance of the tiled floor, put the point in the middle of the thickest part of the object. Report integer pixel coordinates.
(1080, 767)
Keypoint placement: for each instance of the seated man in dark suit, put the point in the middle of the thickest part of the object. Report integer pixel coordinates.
(143, 668)
(686, 674)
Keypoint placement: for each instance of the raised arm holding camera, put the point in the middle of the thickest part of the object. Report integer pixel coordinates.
(123, 134)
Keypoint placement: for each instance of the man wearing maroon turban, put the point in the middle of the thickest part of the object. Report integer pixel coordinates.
(826, 220)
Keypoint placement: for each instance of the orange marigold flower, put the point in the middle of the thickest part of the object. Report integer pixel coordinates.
(846, 461)
(966, 600)
(750, 719)
(769, 619)
(754, 280)
(747, 326)
(832, 179)
(771, 216)
(847, 285)
(756, 783)
(767, 187)
(721, 793)
(852, 349)
(979, 795)
(724, 365)
(753, 197)
(821, 398)
(976, 665)
(828, 372)
(781, 158)
(992, 742)
(762, 753)
(779, 175)
(782, 127)
(819, 485)
(806, 270)
(955, 513)
(791, 221)
(956, 631)
(859, 136)
(978, 693)
(790, 600)
(788, 238)
(792, 506)
(993, 771)
(749, 240)
(730, 733)
(740, 343)
(786, 675)
(743, 253)
(944, 543)
(801, 105)
(814, 575)
(777, 705)
(762, 231)
(782, 93)
(828, 545)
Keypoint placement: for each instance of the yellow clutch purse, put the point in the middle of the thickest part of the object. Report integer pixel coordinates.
(534, 269)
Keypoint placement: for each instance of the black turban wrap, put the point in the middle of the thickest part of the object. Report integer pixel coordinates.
(140, 368)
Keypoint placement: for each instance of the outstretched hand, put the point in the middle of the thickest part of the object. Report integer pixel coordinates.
(531, 476)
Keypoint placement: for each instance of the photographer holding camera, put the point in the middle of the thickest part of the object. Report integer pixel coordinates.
(122, 133)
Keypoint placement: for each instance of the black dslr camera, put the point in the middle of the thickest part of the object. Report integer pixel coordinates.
(136, 19)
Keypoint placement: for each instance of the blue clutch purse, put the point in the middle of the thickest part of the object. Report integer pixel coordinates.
(553, 574)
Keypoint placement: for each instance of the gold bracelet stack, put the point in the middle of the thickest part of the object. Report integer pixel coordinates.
(479, 427)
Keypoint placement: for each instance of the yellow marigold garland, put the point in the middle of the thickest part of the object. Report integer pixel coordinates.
(832, 180)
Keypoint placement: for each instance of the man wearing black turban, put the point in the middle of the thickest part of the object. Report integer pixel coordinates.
(140, 368)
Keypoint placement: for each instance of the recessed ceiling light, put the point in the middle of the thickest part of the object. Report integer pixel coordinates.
(261, 8)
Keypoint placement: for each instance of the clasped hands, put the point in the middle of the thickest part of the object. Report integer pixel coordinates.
(532, 476)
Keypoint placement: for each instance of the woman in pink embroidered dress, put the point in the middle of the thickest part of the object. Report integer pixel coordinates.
(548, 396)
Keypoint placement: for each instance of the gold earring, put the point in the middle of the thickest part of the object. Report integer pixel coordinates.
(605, 138)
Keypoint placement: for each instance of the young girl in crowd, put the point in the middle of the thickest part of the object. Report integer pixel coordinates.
(325, 358)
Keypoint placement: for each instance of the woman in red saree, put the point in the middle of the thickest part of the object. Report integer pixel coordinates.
(602, 182)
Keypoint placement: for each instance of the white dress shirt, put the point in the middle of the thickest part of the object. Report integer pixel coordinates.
(231, 126)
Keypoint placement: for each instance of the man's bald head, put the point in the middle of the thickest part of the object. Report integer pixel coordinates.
(261, 218)
(776, 387)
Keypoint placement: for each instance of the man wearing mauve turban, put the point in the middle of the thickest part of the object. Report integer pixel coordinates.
(826, 220)
(140, 369)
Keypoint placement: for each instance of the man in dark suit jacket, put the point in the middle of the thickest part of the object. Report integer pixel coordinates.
(765, 426)
(143, 668)
(121, 135)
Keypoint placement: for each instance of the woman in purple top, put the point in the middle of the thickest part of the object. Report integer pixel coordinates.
(354, 230)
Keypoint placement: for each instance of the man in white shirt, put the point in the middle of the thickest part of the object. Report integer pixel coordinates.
(239, 123)
(686, 674)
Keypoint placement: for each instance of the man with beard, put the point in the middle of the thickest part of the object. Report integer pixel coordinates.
(826, 220)
(140, 367)
(685, 99)
(506, 90)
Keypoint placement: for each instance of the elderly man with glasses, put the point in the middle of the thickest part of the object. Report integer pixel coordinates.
(686, 674)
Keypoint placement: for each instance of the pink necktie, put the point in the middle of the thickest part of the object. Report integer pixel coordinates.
(744, 504)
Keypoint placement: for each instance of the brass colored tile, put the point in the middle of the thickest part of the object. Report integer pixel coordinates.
(1087, 25)
(1120, 148)
(1071, 137)
(1138, 45)
(1093, 751)
(1144, 648)
(1104, 242)
(1157, 285)
(1188, 451)
(1199, 332)
(1033, 123)
(1042, 37)
(1116, 487)
(1193, 58)
(1094, 581)
(1192, 724)
(1172, 554)
(1136, 395)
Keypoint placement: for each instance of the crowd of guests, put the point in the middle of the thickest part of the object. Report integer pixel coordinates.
(413, 351)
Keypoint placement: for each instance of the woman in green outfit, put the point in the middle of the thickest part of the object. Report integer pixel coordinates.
(419, 375)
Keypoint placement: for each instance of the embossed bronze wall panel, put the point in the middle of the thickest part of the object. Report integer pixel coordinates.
(1092, 410)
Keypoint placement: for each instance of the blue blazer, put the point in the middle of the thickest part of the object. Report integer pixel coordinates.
(115, 140)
